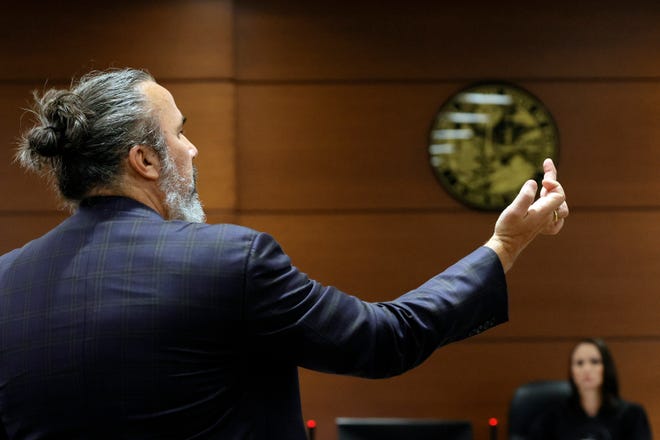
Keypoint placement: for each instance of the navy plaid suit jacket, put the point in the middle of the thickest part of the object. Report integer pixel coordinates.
(119, 324)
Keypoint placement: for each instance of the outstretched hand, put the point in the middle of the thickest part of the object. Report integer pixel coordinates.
(525, 218)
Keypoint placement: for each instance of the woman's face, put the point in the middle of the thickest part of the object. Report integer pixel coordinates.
(587, 367)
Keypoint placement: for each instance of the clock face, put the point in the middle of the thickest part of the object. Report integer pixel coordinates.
(487, 140)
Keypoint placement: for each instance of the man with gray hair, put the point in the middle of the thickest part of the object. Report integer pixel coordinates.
(133, 319)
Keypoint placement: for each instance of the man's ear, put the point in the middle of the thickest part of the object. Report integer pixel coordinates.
(144, 161)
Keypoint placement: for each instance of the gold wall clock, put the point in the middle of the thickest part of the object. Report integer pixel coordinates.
(487, 140)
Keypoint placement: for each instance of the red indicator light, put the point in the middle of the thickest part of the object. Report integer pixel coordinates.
(311, 424)
(492, 421)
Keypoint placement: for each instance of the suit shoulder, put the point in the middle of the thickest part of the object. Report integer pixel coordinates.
(220, 236)
(213, 232)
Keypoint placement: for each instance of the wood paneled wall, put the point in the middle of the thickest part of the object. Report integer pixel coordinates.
(312, 121)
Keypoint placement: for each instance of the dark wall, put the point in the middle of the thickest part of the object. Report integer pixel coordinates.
(312, 121)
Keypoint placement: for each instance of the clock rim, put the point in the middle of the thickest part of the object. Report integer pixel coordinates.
(538, 176)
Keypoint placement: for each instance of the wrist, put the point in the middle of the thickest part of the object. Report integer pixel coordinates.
(503, 251)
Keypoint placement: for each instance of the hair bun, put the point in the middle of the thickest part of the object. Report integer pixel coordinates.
(44, 141)
(63, 124)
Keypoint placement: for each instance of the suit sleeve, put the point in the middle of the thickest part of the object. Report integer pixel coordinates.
(292, 317)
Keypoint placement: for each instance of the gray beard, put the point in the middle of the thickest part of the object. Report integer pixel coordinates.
(181, 198)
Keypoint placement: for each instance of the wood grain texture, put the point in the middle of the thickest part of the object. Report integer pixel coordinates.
(19, 228)
(22, 191)
(598, 277)
(422, 39)
(472, 381)
(364, 146)
(46, 40)
(312, 119)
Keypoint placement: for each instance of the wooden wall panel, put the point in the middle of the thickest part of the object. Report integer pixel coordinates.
(312, 125)
(422, 39)
(337, 146)
(22, 191)
(374, 256)
(364, 146)
(598, 277)
(609, 132)
(472, 380)
(601, 276)
(19, 228)
(191, 39)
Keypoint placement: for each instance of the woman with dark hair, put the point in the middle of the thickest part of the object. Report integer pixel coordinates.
(594, 410)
